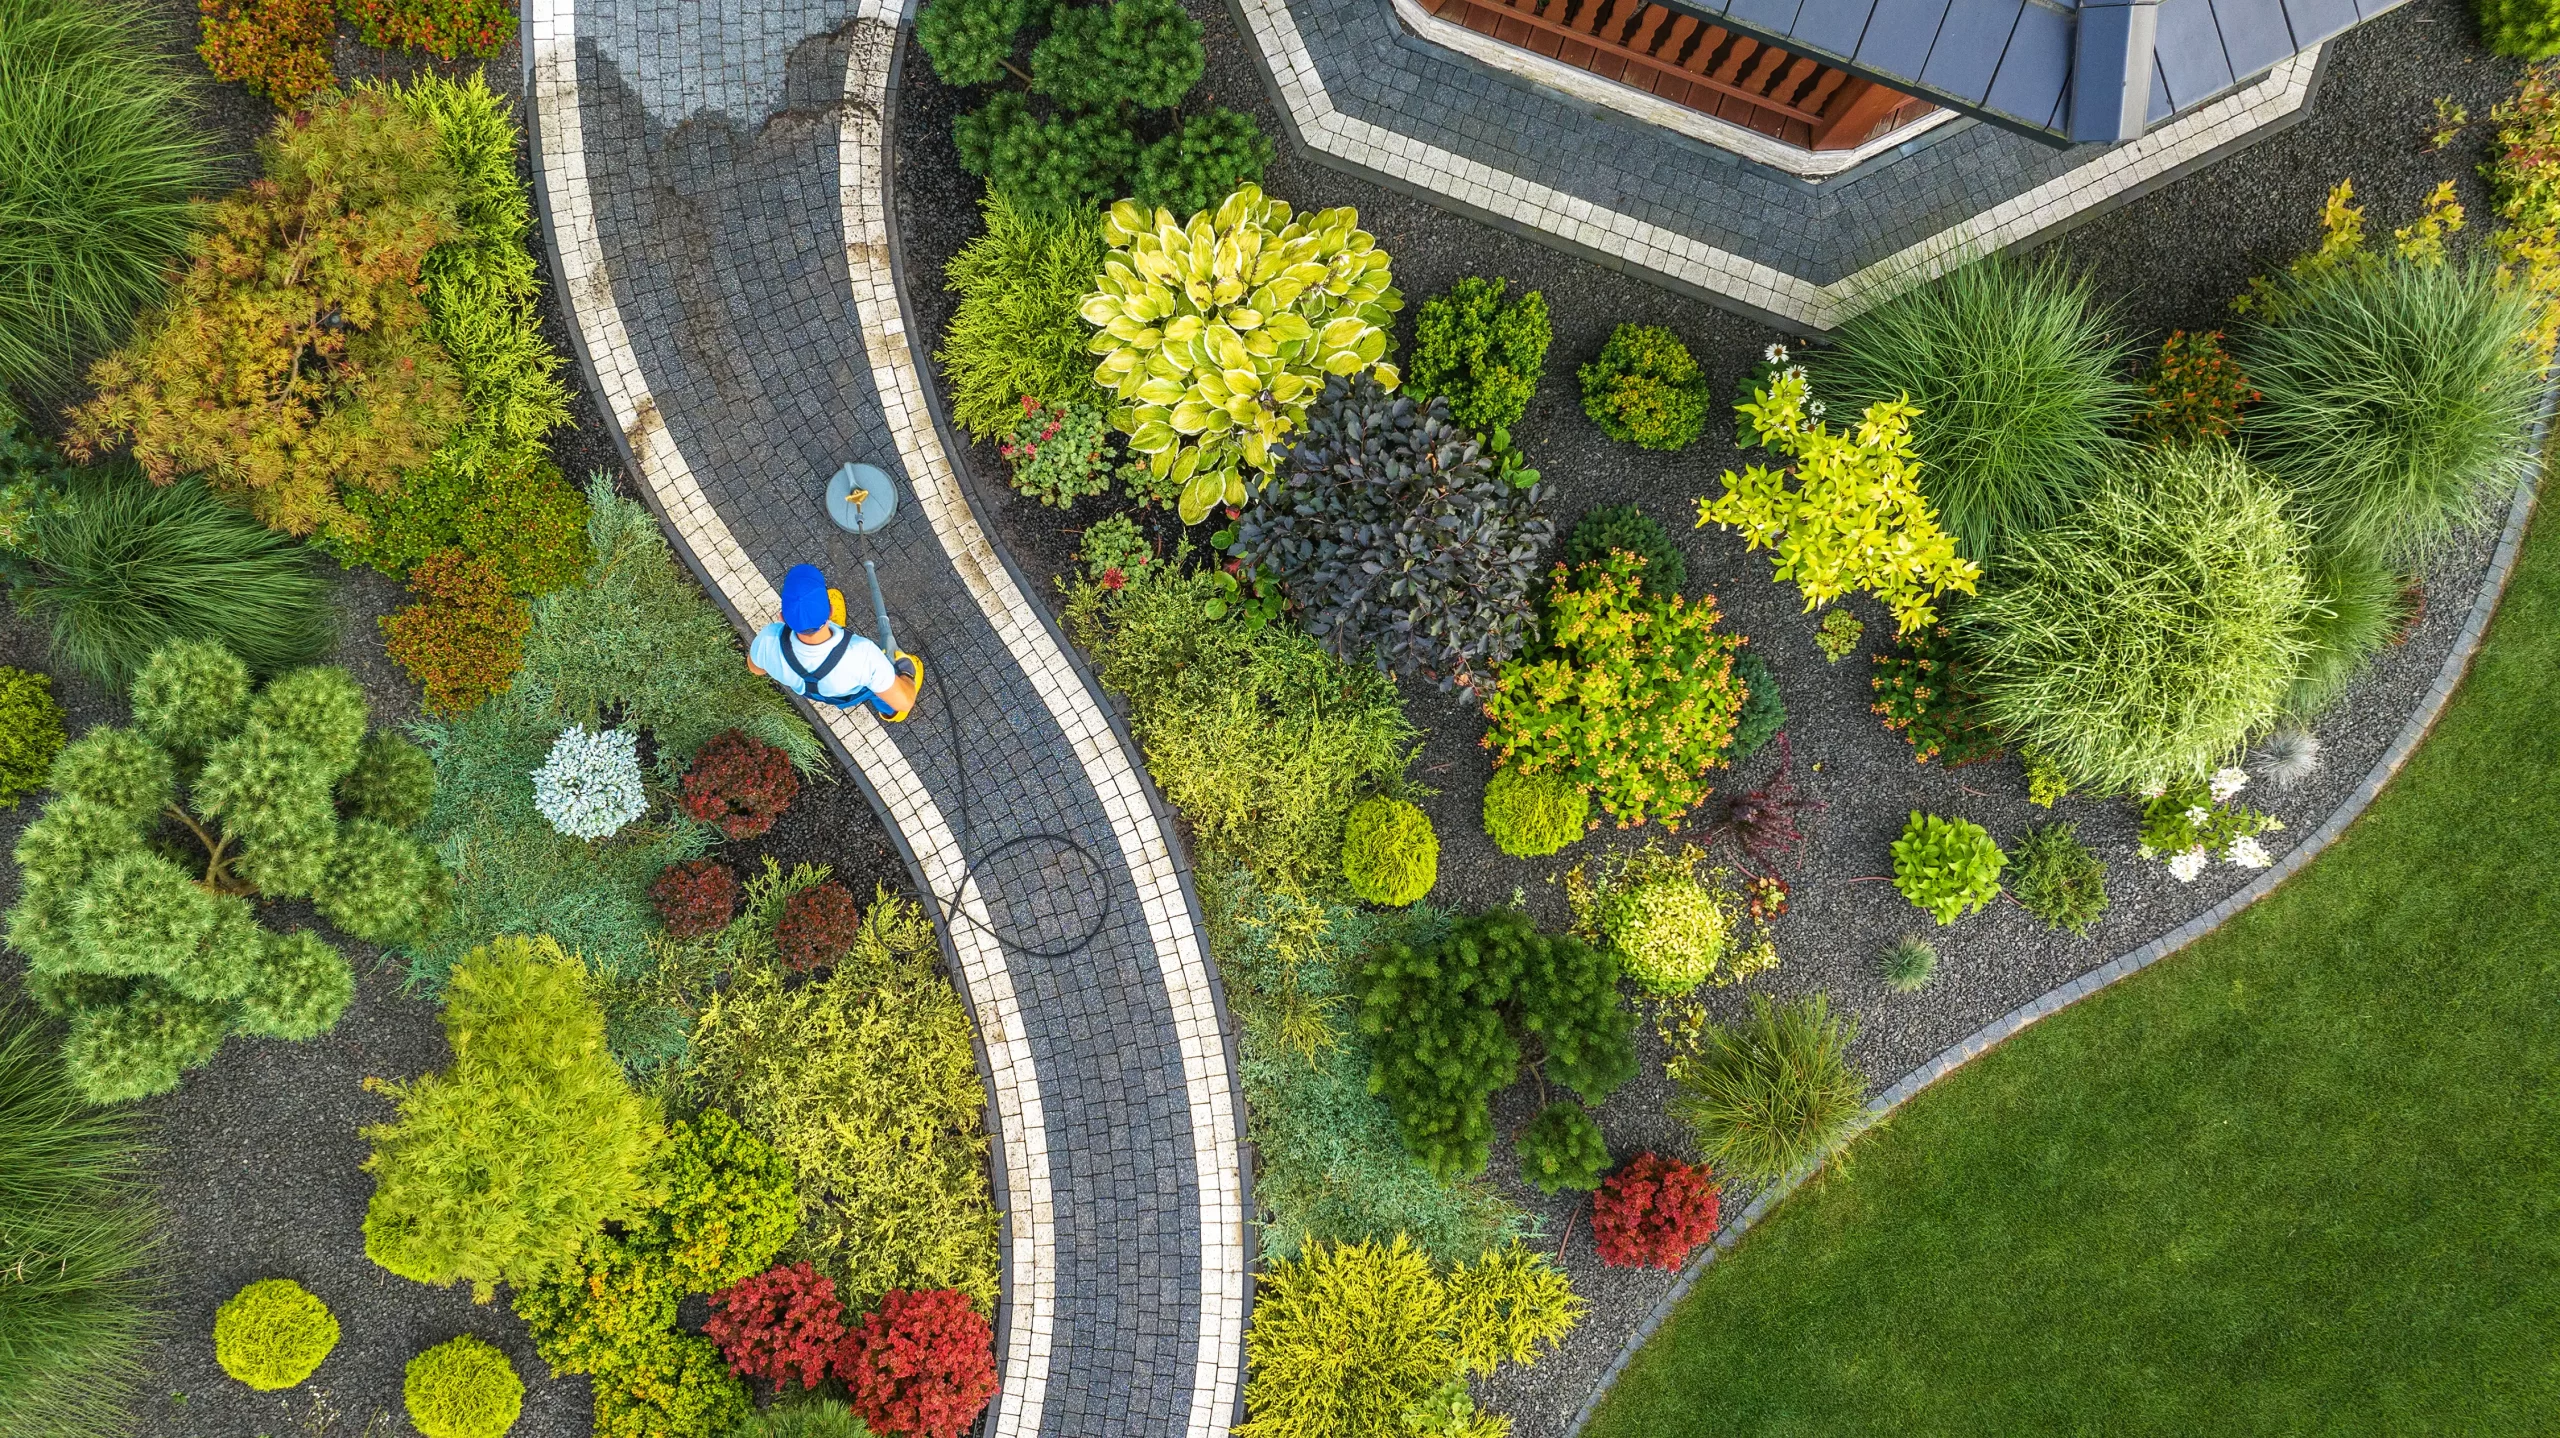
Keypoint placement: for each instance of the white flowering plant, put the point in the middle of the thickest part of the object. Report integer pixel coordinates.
(590, 786)
(2192, 823)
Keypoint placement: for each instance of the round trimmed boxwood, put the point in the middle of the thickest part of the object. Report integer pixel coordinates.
(272, 1334)
(462, 1388)
(1389, 854)
(1530, 816)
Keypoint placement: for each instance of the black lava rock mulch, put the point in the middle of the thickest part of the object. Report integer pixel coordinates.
(2170, 260)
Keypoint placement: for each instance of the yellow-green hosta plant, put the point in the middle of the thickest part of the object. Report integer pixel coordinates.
(1216, 335)
(1855, 518)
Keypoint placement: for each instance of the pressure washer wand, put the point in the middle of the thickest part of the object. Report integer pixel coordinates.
(880, 607)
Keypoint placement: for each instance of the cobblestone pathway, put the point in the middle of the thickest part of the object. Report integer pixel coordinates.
(712, 176)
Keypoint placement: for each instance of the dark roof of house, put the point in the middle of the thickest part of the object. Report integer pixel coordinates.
(2018, 62)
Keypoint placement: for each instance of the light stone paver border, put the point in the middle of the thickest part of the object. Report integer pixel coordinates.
(1515, 201)
(1182, 959)
(1031, 1280)
(2449, 675)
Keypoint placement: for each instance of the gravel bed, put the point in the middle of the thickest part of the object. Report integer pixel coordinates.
(2169, 260)
(257, 1168)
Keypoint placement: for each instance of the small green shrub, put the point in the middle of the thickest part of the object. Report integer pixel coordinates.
(191, 695)
(1632, 698)
(1059, 452)
(30, 731)
(95, 181)
(1839, 634)
(1562, 1148)
(272, 1334)
(1389, 854)
(1446, 1019)
(2018, 377)
(1910, 964)
(805, 1418)
(1628, 529)
(1482, 354)
(674, 1386)
(731, 1203)
(1015, 334)
(1145, 53)
(1672, 926)
(1530, 816)
(1644, 389)
(2354, 608)
(462, 1388)
(1329, 1164)
(1949, 867)
(1063, 164)
(2152, 632)
(1764, 709)
(2057, 878)
(865, 1085)
(1262, 739)
(1113, 548)
(2400, 399)
(1193, 168)
(2196, 393)
(1925, 692)
(382, 887)
(2526, 29)
(80, 1291)
(393, 782)
(1349, 1340)
(276, 48)
(498, 1167)
(969, 41)
(1771, 1094)
(129, 565)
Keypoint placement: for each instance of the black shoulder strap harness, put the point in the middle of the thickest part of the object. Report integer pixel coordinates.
(826, 666)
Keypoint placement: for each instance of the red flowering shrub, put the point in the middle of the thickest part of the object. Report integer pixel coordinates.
(1652, 1212)
(278, 48)
(818, 926)
(695, 897)
(446, 29)
(784, 1323)
(924, 1365)
(740, 783)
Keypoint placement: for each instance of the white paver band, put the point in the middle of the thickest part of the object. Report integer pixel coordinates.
(1180, 957)
(1702, 266)
(1031, 1278)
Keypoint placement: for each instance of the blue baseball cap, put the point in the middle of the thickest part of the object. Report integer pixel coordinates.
(804, 599)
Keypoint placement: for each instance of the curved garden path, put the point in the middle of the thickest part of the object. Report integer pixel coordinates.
(712, 177)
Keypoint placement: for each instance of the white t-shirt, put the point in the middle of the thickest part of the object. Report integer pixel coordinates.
(862, 667)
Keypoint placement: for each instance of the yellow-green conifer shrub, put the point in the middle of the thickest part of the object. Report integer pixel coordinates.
(1530, 816)
(273, 1333)
(30, 731)
(1349, 1338)
(1389, 854)
(462, 1388)
(500, 1167)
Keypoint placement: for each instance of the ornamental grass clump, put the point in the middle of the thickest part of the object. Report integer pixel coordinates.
(273, 1334)
(1391, 534)
(498, 1167)
(1480, 352)
(1631, 698)
(101, 162)
(2151, 633)
(82, 1298)
(153, 952)
(1772, 1094)
(2354, 607)
(1448, 1018)
(2400, 389)
(1856, 518)
(1529, 816)
(1216, 335)
(2014, 379)
(1389, 854)
(589, 787)
(1348, 1339)
(1949, 867)
(1910, 964)
(1645, 389)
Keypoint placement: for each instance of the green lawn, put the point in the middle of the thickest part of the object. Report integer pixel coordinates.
(2302, 1178)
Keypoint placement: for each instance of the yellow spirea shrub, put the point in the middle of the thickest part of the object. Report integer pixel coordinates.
(1853, 517)
(1673, 922)
(272, 1334)
(1348, 1339)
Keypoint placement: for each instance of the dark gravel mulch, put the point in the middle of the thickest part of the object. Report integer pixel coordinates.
(2170, 260)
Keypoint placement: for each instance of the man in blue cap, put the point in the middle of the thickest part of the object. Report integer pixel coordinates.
(813, 654)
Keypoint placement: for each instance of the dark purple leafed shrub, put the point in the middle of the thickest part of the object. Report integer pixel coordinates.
(818, 927)
(1762, 824)
(1388, 527)
(695, 897)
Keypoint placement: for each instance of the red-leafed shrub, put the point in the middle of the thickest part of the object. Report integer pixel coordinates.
(464, 639)
(278, 48)
(695, 897)
(446, 29)
(783, 1323)
(924, 1365)
(740, 783)
(818, 927)
(1652, 1212)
